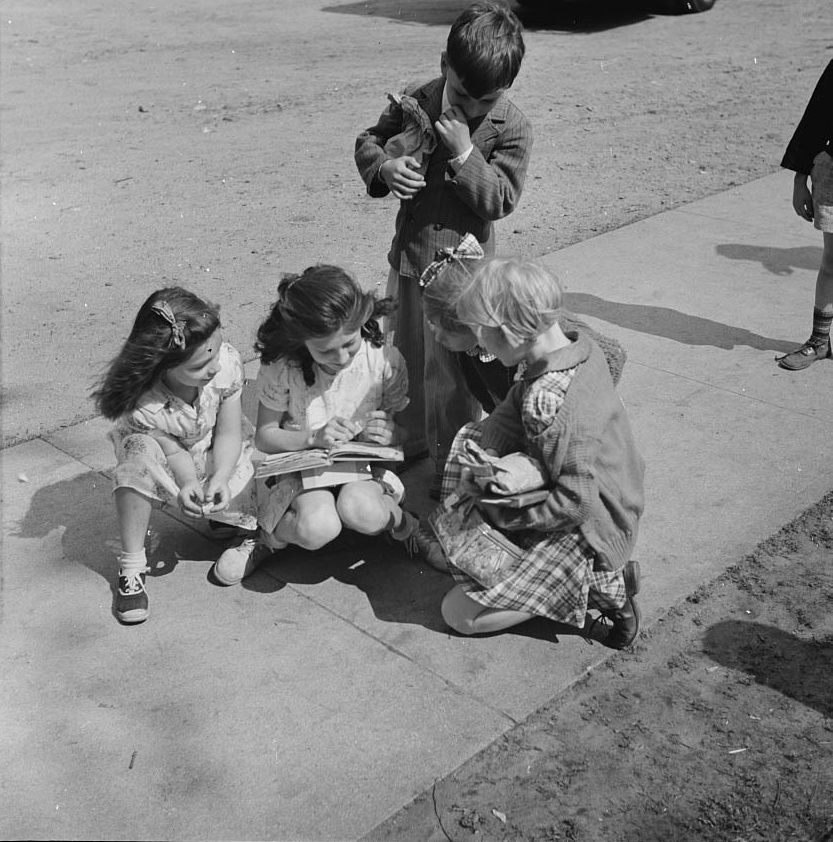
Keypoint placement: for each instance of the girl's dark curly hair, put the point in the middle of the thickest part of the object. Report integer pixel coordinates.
(319, 302)
(154, 346)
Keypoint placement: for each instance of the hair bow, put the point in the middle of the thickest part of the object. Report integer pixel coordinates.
(467, 249)
(163, 309)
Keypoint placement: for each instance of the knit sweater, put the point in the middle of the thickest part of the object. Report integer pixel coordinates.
(595, 470)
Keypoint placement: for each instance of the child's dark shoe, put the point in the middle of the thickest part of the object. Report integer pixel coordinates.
(805, 356)
(131, 599)
(625, 620)
(236, 563)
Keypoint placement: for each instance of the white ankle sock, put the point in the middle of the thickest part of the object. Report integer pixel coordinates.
(130, 563)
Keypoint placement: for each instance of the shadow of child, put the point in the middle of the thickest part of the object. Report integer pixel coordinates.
(82, 508)
(399, 589)
(796, 667)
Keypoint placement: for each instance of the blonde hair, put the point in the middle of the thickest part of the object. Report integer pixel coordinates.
(519, 295)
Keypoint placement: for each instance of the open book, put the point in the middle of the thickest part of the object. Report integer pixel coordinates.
(305, 460)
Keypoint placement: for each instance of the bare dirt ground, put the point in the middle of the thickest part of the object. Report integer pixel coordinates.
(209, 143)
(717, 726)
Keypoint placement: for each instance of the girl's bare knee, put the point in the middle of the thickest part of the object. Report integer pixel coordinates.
(456, 609)
(361, 507)
(312, 532)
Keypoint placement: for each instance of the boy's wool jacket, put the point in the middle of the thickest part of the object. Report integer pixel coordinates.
(486, 188)
(595, 470)
(815, 129)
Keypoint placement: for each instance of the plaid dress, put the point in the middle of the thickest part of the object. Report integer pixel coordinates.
(555, 578)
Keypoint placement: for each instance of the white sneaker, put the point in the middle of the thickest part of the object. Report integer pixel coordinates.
(236, 563)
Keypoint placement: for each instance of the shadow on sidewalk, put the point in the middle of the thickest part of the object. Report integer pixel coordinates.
(672, 324)
(75, 507)
(398, 588)
(778, 261)
(797, 668)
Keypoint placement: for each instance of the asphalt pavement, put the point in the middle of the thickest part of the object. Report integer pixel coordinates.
(325, 693)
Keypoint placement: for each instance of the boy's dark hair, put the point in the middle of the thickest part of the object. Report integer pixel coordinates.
(485, 48)
(320, 301)
(154, 346)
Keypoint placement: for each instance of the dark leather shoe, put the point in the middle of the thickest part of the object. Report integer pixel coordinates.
(626, 619)
(806, 355)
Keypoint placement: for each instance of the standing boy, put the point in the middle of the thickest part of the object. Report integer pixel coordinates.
(810, 155)
(472, 173)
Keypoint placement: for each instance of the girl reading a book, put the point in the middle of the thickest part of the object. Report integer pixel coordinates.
(325, 378)
(563, 412)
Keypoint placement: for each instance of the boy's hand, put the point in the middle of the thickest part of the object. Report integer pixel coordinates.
(191, 498)
(454, 131)
(335, 431)
(217, 495)
(802, 199)
(379, 428)
(402, 176)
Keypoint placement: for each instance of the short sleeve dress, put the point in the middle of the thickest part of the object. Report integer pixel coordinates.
(375, 379)
(142, 465)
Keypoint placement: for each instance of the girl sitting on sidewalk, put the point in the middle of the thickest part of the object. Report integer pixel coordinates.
(325, 377)
(180, 434)
(565, 413)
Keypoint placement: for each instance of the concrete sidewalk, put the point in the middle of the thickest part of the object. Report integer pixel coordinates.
(325, 693)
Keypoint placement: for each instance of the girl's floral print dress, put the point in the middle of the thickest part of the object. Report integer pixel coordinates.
(142, 465)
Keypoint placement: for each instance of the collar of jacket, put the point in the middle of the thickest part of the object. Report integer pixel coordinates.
(567, 357)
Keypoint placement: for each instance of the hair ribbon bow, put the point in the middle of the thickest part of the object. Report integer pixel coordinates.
(163, 309)
(467, 249)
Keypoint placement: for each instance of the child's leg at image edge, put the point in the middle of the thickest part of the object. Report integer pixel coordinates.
(817, 347)
(823, 310)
